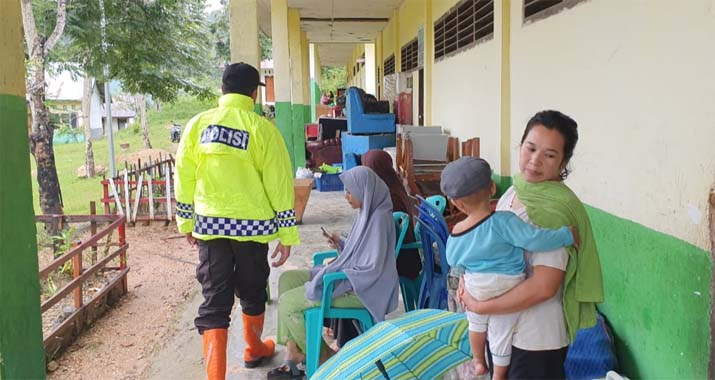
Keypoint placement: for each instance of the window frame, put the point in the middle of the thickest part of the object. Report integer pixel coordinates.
(467, 24)
(547, 11)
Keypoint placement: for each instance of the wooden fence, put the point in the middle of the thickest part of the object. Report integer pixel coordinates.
(63, 334)
(142, 192)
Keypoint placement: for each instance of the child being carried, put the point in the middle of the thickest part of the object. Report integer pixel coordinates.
(489, 246)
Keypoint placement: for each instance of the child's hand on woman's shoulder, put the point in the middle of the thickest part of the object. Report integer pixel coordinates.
(576, 240)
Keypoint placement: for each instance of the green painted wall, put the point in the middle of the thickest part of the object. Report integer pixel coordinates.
(22, 355)
(657, 299)
(298, 131)
(284, 122)
(502, 183)
(258, 108)
(314, 99)
(308, 114)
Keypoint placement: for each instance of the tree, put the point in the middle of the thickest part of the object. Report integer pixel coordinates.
(88, 89)
(332, 78)
(141, 105)
(221, 37)
(266, 44)
(155, 47)
(39, 45)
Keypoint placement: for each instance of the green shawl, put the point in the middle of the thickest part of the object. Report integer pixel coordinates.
(552, 204)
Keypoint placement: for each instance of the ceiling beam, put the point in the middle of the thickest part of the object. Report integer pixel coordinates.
(344, 19)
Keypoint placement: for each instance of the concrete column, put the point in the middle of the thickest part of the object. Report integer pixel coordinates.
(305, 55)
(505, 103)
(379, 66)
(281, 72)
(315, 80)
(243, 24)
(428, 62)
(370, 72)
(396, 43)
(297, 85)
(22, 355)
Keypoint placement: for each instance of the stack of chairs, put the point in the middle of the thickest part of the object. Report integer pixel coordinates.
(433, 234)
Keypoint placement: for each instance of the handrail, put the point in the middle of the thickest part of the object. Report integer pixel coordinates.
(120, 220)
(79, 281)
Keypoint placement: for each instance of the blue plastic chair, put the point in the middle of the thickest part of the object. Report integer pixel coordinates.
(408, 287)
(402, 223)
(433, 234)
(411, 287)
(438, 201)
(314, 316)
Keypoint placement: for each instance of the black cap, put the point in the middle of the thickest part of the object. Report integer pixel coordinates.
(238, 77)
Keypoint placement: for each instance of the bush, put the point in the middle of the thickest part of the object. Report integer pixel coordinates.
(67, 130)
(135, 128)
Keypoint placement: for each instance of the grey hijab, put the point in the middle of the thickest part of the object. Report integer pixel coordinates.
(368, 258)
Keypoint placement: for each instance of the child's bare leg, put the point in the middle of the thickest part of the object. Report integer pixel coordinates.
(477, 341)
(500, 372)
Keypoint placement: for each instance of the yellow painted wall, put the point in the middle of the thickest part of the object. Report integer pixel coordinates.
(305, 55)
(439, 7)
(638, 78)
(388, 39)
(243, 17)
(296, 59)
(412, 16)
(379, 65)
(12, 76)
(281, 50)
(359, 79)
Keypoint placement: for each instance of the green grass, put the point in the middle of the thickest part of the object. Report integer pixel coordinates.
(78, 192)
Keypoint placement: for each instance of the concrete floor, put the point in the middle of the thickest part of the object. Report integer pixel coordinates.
(181, 357)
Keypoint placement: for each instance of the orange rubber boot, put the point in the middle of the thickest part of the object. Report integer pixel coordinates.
(215, 353)
(256, 350)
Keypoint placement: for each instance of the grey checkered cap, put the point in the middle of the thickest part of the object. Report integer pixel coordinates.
(465, 176)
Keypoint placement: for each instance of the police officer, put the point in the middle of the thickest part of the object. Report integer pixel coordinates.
(234, 193)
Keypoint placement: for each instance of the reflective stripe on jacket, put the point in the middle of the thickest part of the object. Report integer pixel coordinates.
(233, 176)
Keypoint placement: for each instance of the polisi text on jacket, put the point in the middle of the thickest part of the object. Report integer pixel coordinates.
(219, 134)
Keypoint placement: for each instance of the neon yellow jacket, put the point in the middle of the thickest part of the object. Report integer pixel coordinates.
(233, 176)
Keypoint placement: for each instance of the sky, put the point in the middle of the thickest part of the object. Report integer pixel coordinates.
(213, 5)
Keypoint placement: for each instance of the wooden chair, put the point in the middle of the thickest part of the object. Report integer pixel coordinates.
(422, 176)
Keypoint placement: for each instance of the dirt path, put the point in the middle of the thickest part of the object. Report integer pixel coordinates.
(150, 333)
(119, 345)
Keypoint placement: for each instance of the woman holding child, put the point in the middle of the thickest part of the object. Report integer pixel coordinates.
(367, 258)
(562, 286)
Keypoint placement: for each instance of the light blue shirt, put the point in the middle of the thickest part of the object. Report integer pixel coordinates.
(497, 244)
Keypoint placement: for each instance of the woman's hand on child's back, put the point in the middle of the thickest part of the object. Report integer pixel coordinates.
(576, 240)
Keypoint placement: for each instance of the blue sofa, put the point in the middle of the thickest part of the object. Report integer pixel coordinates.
(360, 122)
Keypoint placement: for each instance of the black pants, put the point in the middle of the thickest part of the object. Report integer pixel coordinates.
(227, 267)
(535, 365)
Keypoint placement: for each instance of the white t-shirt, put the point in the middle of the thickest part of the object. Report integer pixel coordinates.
(542, 326)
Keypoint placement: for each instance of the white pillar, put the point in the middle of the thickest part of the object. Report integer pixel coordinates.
(370, 72)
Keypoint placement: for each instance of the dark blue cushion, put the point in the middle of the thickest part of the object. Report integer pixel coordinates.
(591, 355)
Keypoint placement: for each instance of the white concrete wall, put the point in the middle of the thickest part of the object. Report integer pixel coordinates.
(369, 70)
(95, 115)
(465, 97)
(638, 77)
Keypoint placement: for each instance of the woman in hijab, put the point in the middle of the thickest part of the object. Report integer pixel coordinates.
(367, 259)
(409, 263)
